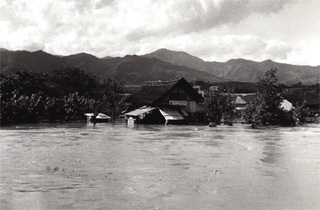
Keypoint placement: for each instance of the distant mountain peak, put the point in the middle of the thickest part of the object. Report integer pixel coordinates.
(41, 52)
(171, 52)
(238, 60)
(179, 58)
(82, 54)
(163, 49)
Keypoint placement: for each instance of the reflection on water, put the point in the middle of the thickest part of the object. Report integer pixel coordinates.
(78, 166)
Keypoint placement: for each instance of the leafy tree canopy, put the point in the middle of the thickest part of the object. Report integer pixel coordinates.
(67, 93)
(266, 109)
(219, 106)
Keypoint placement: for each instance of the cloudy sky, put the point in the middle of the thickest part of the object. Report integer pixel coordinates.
(214, 30)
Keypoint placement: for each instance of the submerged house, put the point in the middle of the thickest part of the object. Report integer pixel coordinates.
(242, 99)
(161, 102)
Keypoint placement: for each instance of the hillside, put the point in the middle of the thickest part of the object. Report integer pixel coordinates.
(134, 69)
(128, 70)
(240, 69)
(39, 61)
(160, 65)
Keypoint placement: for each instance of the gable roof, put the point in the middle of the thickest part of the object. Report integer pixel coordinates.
(140, 111)
(239, 100)
(242, 98)
(154, 91)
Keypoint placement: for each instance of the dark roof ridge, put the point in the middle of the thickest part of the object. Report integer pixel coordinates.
(183, 82)
(151, 94)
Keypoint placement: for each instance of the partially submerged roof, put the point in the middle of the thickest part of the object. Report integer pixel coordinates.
(140, 111)
(286, 105)
(154, 91)
(170, 114)
(99, 116)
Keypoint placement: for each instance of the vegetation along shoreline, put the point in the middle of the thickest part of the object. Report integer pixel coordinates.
(67, 93)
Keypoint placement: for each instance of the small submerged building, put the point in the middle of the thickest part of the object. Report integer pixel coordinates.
(162, 102)
(242, 99)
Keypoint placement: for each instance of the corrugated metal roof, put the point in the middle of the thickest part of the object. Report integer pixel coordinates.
(99, 116)
(170, 114)
(102, 116)
(140, 111)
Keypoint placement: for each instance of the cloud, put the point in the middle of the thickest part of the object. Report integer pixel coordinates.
(187, 16)
(133, 20)
(213, 47)
(278, 49)
(119, 27)
(305, 53)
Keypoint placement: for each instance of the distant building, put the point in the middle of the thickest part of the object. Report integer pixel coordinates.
(198, 89)
(242, 99)
(286, 105)
(166, 102)
(214, 88)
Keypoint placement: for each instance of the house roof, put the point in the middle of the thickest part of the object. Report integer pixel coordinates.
(171, 114)
(239, 100)
(286, 105)
(242, 98)
(154, 91)
(99, 116)
(140, 111)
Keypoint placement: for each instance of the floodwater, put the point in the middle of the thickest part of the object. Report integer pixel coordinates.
(78, 166)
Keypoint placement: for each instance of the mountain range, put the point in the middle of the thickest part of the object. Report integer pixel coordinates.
(162, 64)
(242, 70)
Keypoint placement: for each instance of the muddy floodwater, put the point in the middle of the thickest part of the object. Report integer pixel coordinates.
(78, 166)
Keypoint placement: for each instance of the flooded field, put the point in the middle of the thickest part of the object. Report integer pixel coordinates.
(78, 166)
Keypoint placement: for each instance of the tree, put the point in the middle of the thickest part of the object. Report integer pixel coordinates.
(68, 80)
(266, 108)
(301, 112)
(23, 83)
(21, 109)
(75, 106)
(110, 100)
(68, 92)
(219, 106)
(21, 96)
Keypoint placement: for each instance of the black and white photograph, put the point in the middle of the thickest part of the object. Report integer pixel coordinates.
(160, 104)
